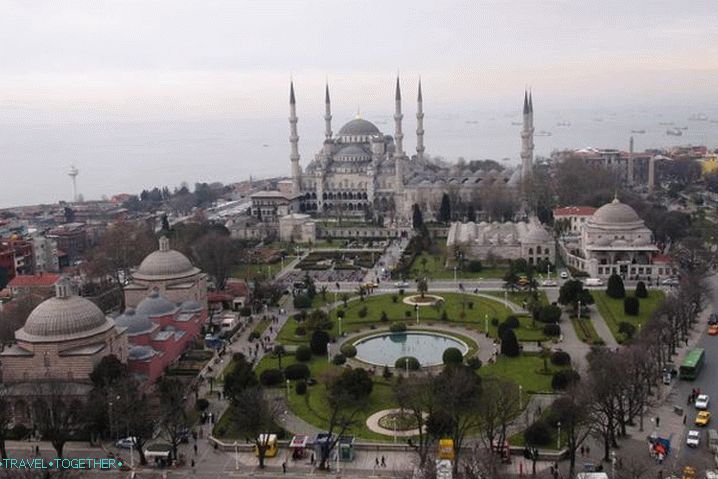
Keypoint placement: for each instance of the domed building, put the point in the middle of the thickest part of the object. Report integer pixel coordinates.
(171, 273)
(615, 240)
(62, 341)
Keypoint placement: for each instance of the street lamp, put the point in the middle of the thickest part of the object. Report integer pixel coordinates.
(521, 391)
(506, 299)
(329, 352)
(287, 387)
(486, 324)
(454, 274)
(558, 438)
(416, 307)
(613, 464)
(236, 456)
(340, 325)
(406, 361)
(579, 309)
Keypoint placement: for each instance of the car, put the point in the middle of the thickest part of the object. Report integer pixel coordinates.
(564, 275)
(702, 401)
(703, 418)
(126, 442)
(670, 282)
(401, 284)
(713, 319)
(694, 438)
(713, 330)
(549, 282)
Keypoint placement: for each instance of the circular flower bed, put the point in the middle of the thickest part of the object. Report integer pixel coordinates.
(427, 300)
(399, 421)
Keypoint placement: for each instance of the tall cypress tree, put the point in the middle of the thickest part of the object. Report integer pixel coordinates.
(445, 209)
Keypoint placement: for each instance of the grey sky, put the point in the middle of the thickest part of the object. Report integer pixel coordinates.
(213, 57)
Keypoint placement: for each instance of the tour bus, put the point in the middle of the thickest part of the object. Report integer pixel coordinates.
(692, 364)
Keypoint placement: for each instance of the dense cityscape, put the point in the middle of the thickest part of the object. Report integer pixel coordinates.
(376, 308)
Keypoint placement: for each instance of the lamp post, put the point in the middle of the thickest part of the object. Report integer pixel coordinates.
(236, 456)
(506, 299)
(558, 437)
(613, 464)
(454, 274)
(521, 396)
(406, 361)
(416, 307)
(579, 309)
(486, 324)
(340, 325)
(329, 352)
(287, 387)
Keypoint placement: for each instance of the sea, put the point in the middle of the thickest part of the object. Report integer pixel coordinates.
(125, 155)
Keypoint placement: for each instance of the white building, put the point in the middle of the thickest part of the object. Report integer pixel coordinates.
(573, 218)
(298, 228)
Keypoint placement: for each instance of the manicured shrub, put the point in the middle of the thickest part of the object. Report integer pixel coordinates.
(300, 331)
(563, 379)
(470, 305)
(384, 317)
(474, 362)
(641, 291)
(253, 335)
(452, 356)
(413, 363)
(549, 314)
(512, 322)
(318, 343)
(615, 288)
(297, 371)
(339, 359)
(201, 404)
(394, 298)
(494, 321)
(474, 266)
(560, 358)
(552, 330)
(303, 353)
(302, 301)
(348, 350)
(401, 292)
(631, 306)
(363, 311)
(509, 344)
(407, 313)
(340, 313)
(538, 434)
(355, 382)
(397, 327)
(627, 329)
(271, 377)
(301, 388)
(444, 316)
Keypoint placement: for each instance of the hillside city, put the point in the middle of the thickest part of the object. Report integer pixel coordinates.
(373, 310)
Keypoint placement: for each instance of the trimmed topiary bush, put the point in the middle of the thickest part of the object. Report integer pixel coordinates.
(474, 362)
(538, 434)
(631, 306)
(363, 311)
(552, 330)
(563, 379)
(474, 266)
(394, 298)
(615, 288)
(303, 353)
(509, 344)
(627, 329)
(560, 358)
(494, 321)
(549, 314)
(339, 359)
(641, 291)
(271, 377)
(444, 316)
(512, 322)
(302, 301)
(201, 404)
(397, 327)
(407, 313)
(318, 343)
(301, 388)
(348, 350)
(452, 356)
(413, 363)
(384, 317)
(300, 331)
(253, 335)
(297, 371)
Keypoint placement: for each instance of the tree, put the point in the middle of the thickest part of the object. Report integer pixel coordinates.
(57, 417)
(549, 313)
(641, 291)
(354, 382)
(318, 342)
(511, 280)
(256, 418)
(5, 422)
(499, 406)
(415, 394)
(571, 292)
(572, 410)
(509, 344)
(108, 372)
(422, 286)
(444, 209)
(452, 356)
(615, 288)
(279, 351)
(173, 424)
(215, 254)
(13, 316)
(239, 378)
(417, 218)
(631, 306)
(133, 411)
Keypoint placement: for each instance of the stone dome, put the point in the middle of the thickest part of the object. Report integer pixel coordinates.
(165, 263)
(135, 323)
(359, 127)
(64, 317)
(535, 233)
(615, 213)
(155, 305)
(190, 306)
(141, 353)
(353, 150)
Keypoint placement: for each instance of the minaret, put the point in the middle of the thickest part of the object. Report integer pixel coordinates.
(327, 115)
(294, 140)
(398, 139)
(419, 125)
(629, 174)
(527, 137)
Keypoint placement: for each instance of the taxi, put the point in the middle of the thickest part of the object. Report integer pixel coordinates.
(703, 418)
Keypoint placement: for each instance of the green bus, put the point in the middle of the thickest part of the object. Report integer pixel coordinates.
(692, 363)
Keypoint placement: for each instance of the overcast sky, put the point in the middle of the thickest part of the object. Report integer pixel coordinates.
(194, 58)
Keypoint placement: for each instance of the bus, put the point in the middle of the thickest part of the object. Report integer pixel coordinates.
(692, 363)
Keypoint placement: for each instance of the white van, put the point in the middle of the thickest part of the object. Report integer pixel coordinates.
(593, 282)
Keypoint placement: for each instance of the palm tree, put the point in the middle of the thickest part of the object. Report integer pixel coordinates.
(279, 351)
(422, 286)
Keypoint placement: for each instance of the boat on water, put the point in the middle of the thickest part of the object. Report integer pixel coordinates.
(516, 123)
(674, 132)
(666, 123)
(543, 133)
(563, 123)
(638, 132)
(684, 128)
(698, 117)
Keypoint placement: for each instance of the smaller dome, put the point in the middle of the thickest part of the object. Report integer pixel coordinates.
(359, 127)
(164, 263)
(135, 323)
(155, 305)
(141, 353)
(352, 150)
(615, 213)
(190, 306)
(535, 233)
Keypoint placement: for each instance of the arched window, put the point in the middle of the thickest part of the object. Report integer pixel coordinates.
(538, 250)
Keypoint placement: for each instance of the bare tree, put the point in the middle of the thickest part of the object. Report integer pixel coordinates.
(256, 418)
(173, 424)
(498, 409)
(58, 415)
(13, 316)
(573, 410)
(215, 254)
(414, 394)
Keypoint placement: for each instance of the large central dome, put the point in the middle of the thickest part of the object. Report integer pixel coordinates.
(359, 127)
(165, 264)
(615, 213)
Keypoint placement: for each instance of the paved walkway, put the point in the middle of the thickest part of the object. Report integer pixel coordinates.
(599, 324)
(571, 343)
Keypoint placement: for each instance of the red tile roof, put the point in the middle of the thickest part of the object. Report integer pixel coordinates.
(574, 211)
(661, 259)
(218, 297)
(28, 280)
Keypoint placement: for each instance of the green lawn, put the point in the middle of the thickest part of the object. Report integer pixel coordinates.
(518, 297)
(526, 370)
(612, 310)
(262, 326)
(251, 271)
(435, 266)
(585, 331)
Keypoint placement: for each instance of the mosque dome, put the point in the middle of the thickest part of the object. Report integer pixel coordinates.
(615, 213)
(164, 263)
(135, 323)
(359, 127)
(155, 305)
(64, 317)
(190, 306)
(141, 353)
(535, 233)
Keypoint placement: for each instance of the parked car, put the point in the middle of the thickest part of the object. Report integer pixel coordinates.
(593, 282)
(703, 418)
(713, 330)
(126, 442)
(564, 275)
(670, 282)
(401, 284)
(702, 401)
(549, 282)
(694, 438)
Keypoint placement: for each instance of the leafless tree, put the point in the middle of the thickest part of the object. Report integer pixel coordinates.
(256, 418)
(499, 407)
(414, 394)
(57, 413)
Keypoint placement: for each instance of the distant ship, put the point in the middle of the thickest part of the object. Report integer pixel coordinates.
(543, 133)
(681, 128)
(698, 117)
(472, 122)
(666, 123)
(265, 145)
(674, 132)
(516, 123)
(563, 123)
(638, 132)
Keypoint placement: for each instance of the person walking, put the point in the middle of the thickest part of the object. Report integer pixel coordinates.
(658, 422)
(195, 448)
(284, 467)
(383, 461)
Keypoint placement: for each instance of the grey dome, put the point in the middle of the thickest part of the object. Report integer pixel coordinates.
(359, 127)
(535, 233)
(165, 263)
(155, 305)
(352, 150)
(615, 213)
(135, 323)
(64, 318)
(190, 306)
(139, 353)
